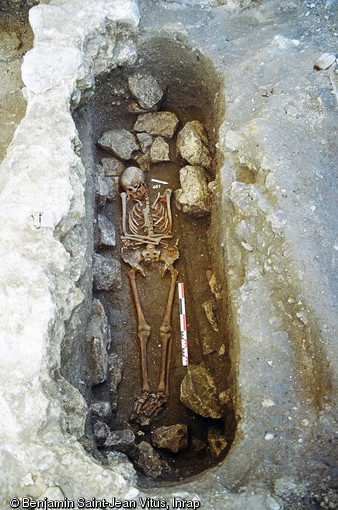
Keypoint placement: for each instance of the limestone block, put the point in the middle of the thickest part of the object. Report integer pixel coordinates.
(199, 392)
(98, 339)
(120, 142)
(125, 53)
(106, 232)
(159, 150)
(135, 108)
(106, 272)
(112, 183)
(112, 167)
(101, 187)
(101, 409)
(98, 361)
(145, 89)
(148, 461)
(192, 144)
(217, 441)
(121, 440)
(248, 199)
(53, 494)
(118, 461)
(75, 409)
(157, 123)
(173, 438)
(99, 324)
(115, 376)
(101, 432)
(145, 140)
(209, 308)
(194, 196)
(143, 161)
(197, 445)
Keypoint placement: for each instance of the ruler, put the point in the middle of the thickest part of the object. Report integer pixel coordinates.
(183, 323)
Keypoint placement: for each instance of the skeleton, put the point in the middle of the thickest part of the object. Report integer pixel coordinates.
(147, 237)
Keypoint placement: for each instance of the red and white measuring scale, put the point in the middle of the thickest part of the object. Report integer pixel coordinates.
(183, 323)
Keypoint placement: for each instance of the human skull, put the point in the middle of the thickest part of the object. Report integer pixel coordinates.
(133, 182)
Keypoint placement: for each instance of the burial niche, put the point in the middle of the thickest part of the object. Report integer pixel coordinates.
(154, 128)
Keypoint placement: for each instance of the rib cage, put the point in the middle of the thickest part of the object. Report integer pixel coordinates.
(155, 221)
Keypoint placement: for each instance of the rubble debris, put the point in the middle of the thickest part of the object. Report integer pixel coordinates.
(145, 89)
(199, 392)
(106, 272)
(193, 197)
(157, 123)
(120, 142)
(173, 437)
(192, 144)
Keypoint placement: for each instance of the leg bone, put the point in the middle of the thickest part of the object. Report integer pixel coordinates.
(166, 338)
(143, 334)
(155, 403)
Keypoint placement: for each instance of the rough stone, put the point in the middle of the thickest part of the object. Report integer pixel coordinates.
(101, 188)
(106, 273)
(135, 109)
(75, 408)
(98, 361)
(120, 142)
(148, 461)
(106, 232)
(112, 183)
(209, 308)
(194, 197)
(192, 144)
(119, 461)
(324, 61)
(121, 440)
(115, 376)
(225, 396)
(209, 341)
(199, 392)
(157, 123)
(217, 441)
(173, 438)
(101, 410)
(159, 150)
(112, 167)
(98, 339)
(198, 445)
(105, 187)
(145, 140)
(100, 319)
(101, 432)
(145, 89)
(143, 161)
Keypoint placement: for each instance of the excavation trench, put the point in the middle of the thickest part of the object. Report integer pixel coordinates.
(191, 90)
